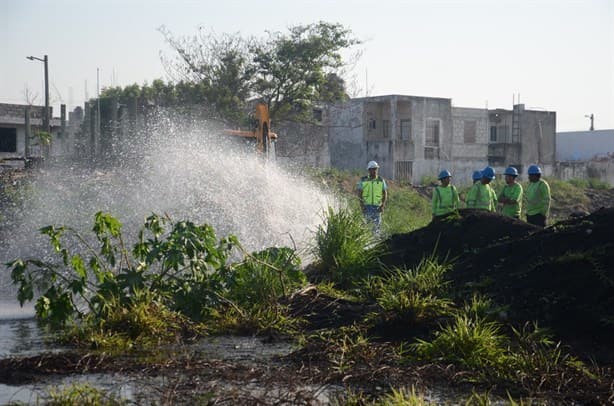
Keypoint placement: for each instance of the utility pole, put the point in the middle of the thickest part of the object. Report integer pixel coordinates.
(46, 118)
(592, 118)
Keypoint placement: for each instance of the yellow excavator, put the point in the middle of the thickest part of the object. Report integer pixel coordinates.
(260, 131)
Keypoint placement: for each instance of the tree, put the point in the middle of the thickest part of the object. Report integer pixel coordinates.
(219, 64)
(295, 69)
(290, 71)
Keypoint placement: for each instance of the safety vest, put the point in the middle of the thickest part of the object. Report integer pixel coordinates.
(372, 190)
(512, 192)
(471, 196)
(445, 200)
(538, 198)
(484, 197)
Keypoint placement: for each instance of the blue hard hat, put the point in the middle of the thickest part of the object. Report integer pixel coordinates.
(510, 170)
(534, 170)
(444, 174)
(488, 172)
(477, 175)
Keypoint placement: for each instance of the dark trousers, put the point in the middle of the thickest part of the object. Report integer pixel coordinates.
(537, 219)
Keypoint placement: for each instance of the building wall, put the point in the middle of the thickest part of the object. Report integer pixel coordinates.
(531, 140)
(584, 145)
(392, 130)
(469, 144)
(346, 138)
(303, 144)
(598, 169)
(538, 137)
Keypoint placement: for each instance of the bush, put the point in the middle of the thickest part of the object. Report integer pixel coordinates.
(411, 294)
(472, 343)
(346, 247)
(168, 281)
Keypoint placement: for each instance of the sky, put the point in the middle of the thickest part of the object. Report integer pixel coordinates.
(555, 55)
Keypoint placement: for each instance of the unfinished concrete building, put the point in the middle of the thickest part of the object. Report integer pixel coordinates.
(19, 125)
(521, 137)
(413, 138)
(410, 137)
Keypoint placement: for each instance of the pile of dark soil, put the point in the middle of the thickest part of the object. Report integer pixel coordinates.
(562, 276)
(454, 236)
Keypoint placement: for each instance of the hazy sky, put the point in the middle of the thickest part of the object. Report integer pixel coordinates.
(556, 54)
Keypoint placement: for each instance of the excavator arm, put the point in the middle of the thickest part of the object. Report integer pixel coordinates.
(261, 124)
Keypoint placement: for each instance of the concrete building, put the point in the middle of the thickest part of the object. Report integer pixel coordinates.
(584, 145)
(521, 137)
(415, 137)
(410, 137)
(585, 154)
(18, 125)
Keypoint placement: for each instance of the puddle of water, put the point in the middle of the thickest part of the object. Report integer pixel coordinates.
(20, 335)
(241, 349)
(119, 386)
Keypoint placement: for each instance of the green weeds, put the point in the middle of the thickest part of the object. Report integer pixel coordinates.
(414, 294)
(82, 394)
(346, 247)
(163, 288)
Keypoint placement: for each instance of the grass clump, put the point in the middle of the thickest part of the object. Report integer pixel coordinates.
(346, 247)
(472, 343)
(412, 294)
(403, 397)
(527, 357)
(82, 394)
(593, 183)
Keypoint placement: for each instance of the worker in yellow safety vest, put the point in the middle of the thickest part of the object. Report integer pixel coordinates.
(470, 200)
(445, 197)
(537, 197)
(372, 192)
(511, 195)
(485, 197)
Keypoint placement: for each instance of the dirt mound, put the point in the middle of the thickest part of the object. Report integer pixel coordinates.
(470, 231)
(562, 276)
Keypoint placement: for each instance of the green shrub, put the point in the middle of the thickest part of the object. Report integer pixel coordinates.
(265, 276)
(168, 281)
(346, 247)
(429, 180)
(475, 344)
(598, 184)
(410, 294)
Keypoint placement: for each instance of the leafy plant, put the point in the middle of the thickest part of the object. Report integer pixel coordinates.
(346, 247)
(169, 265)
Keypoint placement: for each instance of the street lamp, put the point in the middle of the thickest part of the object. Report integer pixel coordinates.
(46, 118)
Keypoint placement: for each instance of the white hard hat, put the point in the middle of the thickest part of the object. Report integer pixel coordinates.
(372, 164)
